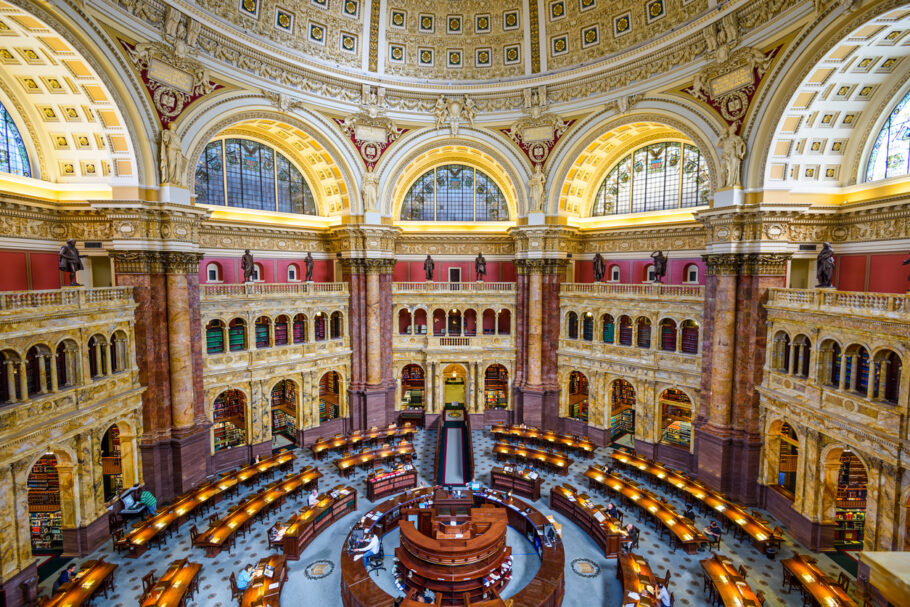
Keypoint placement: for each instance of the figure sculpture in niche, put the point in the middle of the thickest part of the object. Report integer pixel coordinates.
(660, 266)
(70, 261)
(535, 186)
(308, 264)
(824, 267)
(247, 265)
(428, 267)
(733, 151)
(480, 267)
(370, 190)
(600, 267)
(171, 160)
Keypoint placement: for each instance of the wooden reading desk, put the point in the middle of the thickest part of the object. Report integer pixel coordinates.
(95, 577)
(215, 538)
(637, 577)
(762, 536)
(685, 533)
(731, 588)
(556, 461)
(306, 525)
(173, 587)
(349, 462)
(565, 442)
(593, 518)
(520, 482)
(266, 591)
(816, 584)
(349, 441)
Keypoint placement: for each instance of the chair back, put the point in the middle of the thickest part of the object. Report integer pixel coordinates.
(742, 571)
(148, 582)
(194, 533)
(843, 581)
(760, 596)
(666, 580)
(234, 589)
(672, 599)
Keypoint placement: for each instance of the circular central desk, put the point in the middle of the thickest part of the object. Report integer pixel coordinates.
(546, 589)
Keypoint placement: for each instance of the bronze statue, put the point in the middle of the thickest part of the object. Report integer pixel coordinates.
(824, 267)
(600, 267)
(308, 263)
(70, 261)
(247, 265)
(480, 267)
(660, 266)
(428, 267)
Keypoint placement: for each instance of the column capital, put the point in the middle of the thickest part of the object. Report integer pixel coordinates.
(748, 264)
(156, 262)
(369, 265)
(540, 266)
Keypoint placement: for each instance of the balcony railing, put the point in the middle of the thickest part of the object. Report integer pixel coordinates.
(847, 302)
(73, 297)
(229, 291)
(447, 287)
(650, 290)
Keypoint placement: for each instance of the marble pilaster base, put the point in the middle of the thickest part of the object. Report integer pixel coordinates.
(812, 534)
(157, 459)
(713, 456)
(728, 464)
(372, 406)
(263, 450)
(83, 540)
(341, 425)
(190, 460)
(231, 458)
(11, 590)
(536, 408)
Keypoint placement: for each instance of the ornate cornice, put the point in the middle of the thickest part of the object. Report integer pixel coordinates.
(367, 265)
(540, 266)
(746, 264)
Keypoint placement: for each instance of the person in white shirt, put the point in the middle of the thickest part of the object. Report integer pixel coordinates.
(313, 499)
(663, 596)
(371, 549)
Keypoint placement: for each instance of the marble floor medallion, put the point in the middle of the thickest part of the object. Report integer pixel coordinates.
(585, 568)
(319, 569)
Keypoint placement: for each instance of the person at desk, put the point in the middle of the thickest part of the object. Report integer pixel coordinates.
(245, 577)
(689, 512)
(662, 595)
(371, 549)
(612, 511)
(634, 533)
(150, 502)
(713, 531)
(66, 576)
(313, 498)
(277, 532)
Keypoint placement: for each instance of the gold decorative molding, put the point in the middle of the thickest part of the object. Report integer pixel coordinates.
(746, 264)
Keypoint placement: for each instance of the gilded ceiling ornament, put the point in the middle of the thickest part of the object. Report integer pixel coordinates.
(537, 132)
(453, 112)
(370, 130)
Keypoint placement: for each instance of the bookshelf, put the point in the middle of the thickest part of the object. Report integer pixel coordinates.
(281, 332)
(578, 396)
(676, 417)
(328, 396)
(644, 335)
(299, 329)
(609, 330)
(850, 503)
(412, 387)
(319, 327)
(622, 410)
(689, 339)
(667, 338)
(625, 333)
(262, 334)
(587, 327)
(45, 517)
(496, 387)
(236, 336)
(282, 423)
(214, 339)
(111, 466)
(228, 416)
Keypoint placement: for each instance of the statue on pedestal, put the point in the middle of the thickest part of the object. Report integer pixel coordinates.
(600, 267)
(535, 187)
(370, 190)
(428, 267)
(480, 267)
(308, 264)
(824, 267)
(733, 150)
(660, 266)
(247, 265)
(171, 161)
(70, 261)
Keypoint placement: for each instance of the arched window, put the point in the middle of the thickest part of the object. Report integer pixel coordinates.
(625, 331)
(263, 324)
(572, 325)
(213, 272)
(668, 335)
(300, 329)
(609, 328)
(691, 273)
(470, 323)
(281, 330)
(887, 376)
(587, 327)
(319, 327)
(293, 273)
(237, 335)
(420, 322)
(67, 363)
(439, 322)
(251, 175)
(614, 274)
(404, 321)
(644, 332)
(258, 272)
(13, 157)
(97, 359)
(336, 329)
(781, 352)
(655, 177)
(214, 337)
(454, 192)
(650, 273)
(689, 336)
(890, 154)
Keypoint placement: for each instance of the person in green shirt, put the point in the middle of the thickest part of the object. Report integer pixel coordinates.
(151, 504)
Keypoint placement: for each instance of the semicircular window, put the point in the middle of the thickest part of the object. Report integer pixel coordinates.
(251, 175)
(13, 157)
(890, 155)
(655, 177)
(454, 192)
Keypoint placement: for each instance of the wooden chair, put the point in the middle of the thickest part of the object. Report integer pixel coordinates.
(268, 538)
(235, 591)
(666, 580)
(148, 582)
(120, 543)
(843, 581)
(742, 571)
(760, 596)
(213, 518)
(714, 542)
(194, 533)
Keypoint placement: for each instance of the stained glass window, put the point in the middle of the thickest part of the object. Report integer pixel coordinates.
(251, 175)
(655, 177)
(454, 192)
(890, 155)
(13, 157)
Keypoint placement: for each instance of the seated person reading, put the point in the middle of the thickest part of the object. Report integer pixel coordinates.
(371, 549)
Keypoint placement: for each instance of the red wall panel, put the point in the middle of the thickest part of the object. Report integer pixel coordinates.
(45, 271)
(14, 276)
(851, 272)
(887, 275)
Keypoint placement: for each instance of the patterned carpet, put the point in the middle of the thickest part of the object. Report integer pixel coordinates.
(315, 578)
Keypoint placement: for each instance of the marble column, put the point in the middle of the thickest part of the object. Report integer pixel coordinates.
(10, 366)
(180, 354)
(373, 327)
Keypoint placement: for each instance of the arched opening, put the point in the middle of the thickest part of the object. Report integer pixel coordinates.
(504, 322)
(572, 325)
(650, 274)
(67, 361)
(622, 411)
(284, 413)
(856, 370)
(293, 273)
(12, 384)
(420, 322)
(281, 330)
(319, 327)
(496, 387)
(404, 321)
(439, 322)
(262, 330)
(413, 385)
(237, 335)
(44, 505)
(802, 350)
(844, 497)
(625, 331)
(336, 326)
(119, 351)
(578, 396)
(470, 323)
(454, 323)
(37, 370)
(668, 335)
(887, 376)
(615, 274)
(329, 396)
(300, 329)
(609, 328)
(689, 336)
(787, 456)
(489, 322)
(587, 326)
(781, 352)
(258, 272)
(690, 274)
(675, 417)
(212, 272)
(644, 332)
(97, 359)
(454, 192)
(454, 385)
(214, 337)
(111, 463)
(229, 420)
(829, 363)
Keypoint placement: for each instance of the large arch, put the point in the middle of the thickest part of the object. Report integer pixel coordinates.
(419, 151)
(794, 146)
(593, 146)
